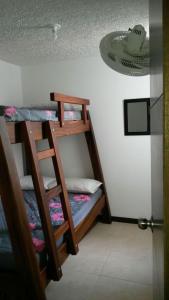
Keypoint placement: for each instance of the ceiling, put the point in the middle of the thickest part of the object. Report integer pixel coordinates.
(83, 24)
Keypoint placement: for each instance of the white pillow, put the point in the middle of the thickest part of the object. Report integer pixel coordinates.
(82, 185)
(76, 185)
(27, 183)
(79, 185)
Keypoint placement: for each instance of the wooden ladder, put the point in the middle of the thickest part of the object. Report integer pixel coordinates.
(26, 282)
(43, 197)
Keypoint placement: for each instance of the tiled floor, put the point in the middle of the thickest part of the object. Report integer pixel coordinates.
(114, 262)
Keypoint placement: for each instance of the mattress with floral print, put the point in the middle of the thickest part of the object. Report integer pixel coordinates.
(81, 205)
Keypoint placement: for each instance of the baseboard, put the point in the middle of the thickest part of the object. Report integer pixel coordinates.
(125, 220)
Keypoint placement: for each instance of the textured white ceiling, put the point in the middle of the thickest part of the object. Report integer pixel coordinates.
(84, 23)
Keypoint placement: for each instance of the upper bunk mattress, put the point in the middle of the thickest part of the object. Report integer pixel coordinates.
(81, 205)
(41, 113)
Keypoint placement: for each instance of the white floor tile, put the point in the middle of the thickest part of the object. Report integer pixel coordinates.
(136, 268)
(73, 286)
(108, 288)
(91, 263)
(114, 262)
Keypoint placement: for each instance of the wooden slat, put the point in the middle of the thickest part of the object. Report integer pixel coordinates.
(84, 113)
(61, 113)
(70, 128)
(45, 154)
(58, 233)
(68, 99)
(54, 192)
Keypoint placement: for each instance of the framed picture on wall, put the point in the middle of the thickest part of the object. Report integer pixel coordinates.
(137, 116)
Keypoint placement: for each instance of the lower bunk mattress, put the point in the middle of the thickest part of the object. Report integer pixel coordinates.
(81, 205)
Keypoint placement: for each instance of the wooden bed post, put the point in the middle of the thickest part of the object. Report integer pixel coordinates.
(27, 273)
(97, 169)
(72, 245)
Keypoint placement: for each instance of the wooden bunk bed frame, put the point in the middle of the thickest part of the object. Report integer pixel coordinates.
(29, 281)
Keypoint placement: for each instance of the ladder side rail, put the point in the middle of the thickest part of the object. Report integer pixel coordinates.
(61, 181)
(54, 267)
(97, 169)
(27, 269)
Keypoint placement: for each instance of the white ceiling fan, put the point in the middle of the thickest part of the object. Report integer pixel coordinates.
(127, 52)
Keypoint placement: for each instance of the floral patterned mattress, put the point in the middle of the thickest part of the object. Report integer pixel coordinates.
(81, 205)
(44, 113)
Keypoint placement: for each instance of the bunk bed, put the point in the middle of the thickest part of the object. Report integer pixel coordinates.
(28, 278)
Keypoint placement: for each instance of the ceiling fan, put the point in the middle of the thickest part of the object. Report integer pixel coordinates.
(127, 52)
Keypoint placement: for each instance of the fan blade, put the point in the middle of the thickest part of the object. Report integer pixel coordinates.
(129, 64)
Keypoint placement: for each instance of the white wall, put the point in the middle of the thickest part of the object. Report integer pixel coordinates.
(11, 94)
(125, 160)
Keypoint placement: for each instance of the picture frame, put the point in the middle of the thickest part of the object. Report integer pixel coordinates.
(137, 116)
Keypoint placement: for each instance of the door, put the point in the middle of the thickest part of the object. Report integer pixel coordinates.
(156, 117)
(159, 114)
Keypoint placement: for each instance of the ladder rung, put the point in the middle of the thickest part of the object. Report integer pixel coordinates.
(45, 154)
(54, 192)
(61, 230)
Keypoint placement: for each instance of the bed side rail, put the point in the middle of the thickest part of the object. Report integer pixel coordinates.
(61, 99)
